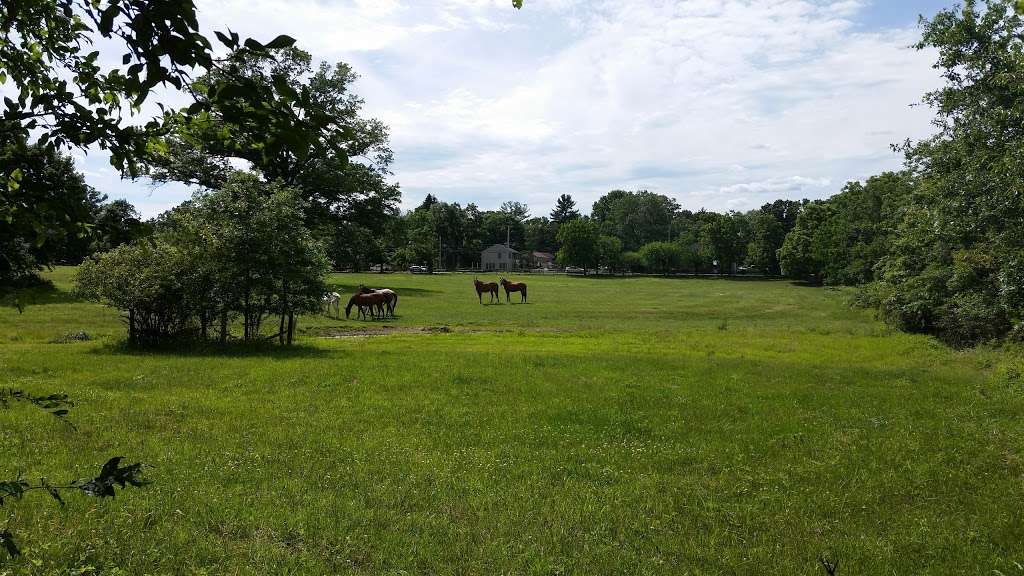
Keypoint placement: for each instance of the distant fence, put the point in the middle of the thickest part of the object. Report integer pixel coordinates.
(548, 272)
(540, 271)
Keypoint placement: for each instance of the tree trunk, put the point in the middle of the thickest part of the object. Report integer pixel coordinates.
(246, 315)
(291, 327)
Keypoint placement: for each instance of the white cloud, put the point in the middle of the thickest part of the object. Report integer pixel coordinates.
(720, 103)
(788, 88)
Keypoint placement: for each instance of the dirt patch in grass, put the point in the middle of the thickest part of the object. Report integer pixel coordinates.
(382, 331)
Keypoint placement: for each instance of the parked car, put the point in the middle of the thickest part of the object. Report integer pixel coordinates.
(418, 269)
(575, 270)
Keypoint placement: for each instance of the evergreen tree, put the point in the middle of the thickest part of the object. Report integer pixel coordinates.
(565, 210)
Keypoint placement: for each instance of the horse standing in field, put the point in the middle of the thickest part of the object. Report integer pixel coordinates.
(332, 300)
(489, 287)
(514, 287)
(366, 302)
(391, 298)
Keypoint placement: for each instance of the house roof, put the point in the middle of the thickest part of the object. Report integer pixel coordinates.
(499, 248)
(546, 255)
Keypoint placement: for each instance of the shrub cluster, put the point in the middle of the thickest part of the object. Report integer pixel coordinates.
(239, 253)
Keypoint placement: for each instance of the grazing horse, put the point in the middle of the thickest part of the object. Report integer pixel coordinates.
(514, 287)
(371, 301)
(391, 298)
(489, 287)
(332, 299)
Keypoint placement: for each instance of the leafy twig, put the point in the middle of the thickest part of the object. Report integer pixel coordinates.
(111, 475)
(102, 486)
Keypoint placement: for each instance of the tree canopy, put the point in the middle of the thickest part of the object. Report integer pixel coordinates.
(68, 98)
(30, 239)
(565, 210)
(956, 267)
(580, 243)
(842, 239)
(341, 171)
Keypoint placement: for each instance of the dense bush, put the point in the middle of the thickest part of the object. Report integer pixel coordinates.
(955, 266)
(632, 261)
(239, 252)
(580, 243)
(609, 252)
(841, 240)
(146, 281)
(661, 257)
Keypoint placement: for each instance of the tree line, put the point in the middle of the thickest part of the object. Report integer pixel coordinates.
(625, 231)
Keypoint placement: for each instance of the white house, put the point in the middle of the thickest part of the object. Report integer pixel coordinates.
(500, 257)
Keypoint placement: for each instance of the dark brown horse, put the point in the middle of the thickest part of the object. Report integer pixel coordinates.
(372, 302)
(513, 287)
(489, 287)
(391, 298)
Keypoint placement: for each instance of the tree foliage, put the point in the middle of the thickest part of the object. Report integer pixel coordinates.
(540, 234)
(341, 169)
(636, 218)
(768, 229)
(116, 223)
(61, 220)
(580, 244)
(609, 252)
(841, 240)
(241, 251)
(68, 97)
(565, 210)
(955, 268)
(722, 239)
(662, 257)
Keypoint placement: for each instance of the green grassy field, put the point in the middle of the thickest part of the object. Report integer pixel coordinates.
(610, 426)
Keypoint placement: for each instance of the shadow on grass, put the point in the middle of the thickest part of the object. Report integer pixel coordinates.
(359, 321)
(235, 349)
(36, 292)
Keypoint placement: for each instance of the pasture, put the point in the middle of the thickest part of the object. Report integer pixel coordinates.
(639, 426)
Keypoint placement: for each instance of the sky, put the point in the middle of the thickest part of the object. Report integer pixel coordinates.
(720, 104)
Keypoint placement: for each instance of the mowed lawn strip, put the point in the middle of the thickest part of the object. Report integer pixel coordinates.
(659, 426)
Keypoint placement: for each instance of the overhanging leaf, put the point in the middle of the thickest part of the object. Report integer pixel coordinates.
(282, 41)
(8, 544)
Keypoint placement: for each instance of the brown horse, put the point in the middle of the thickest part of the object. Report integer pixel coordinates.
(391, 298)
(489, 287)
(514, 287)
(371, 302)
